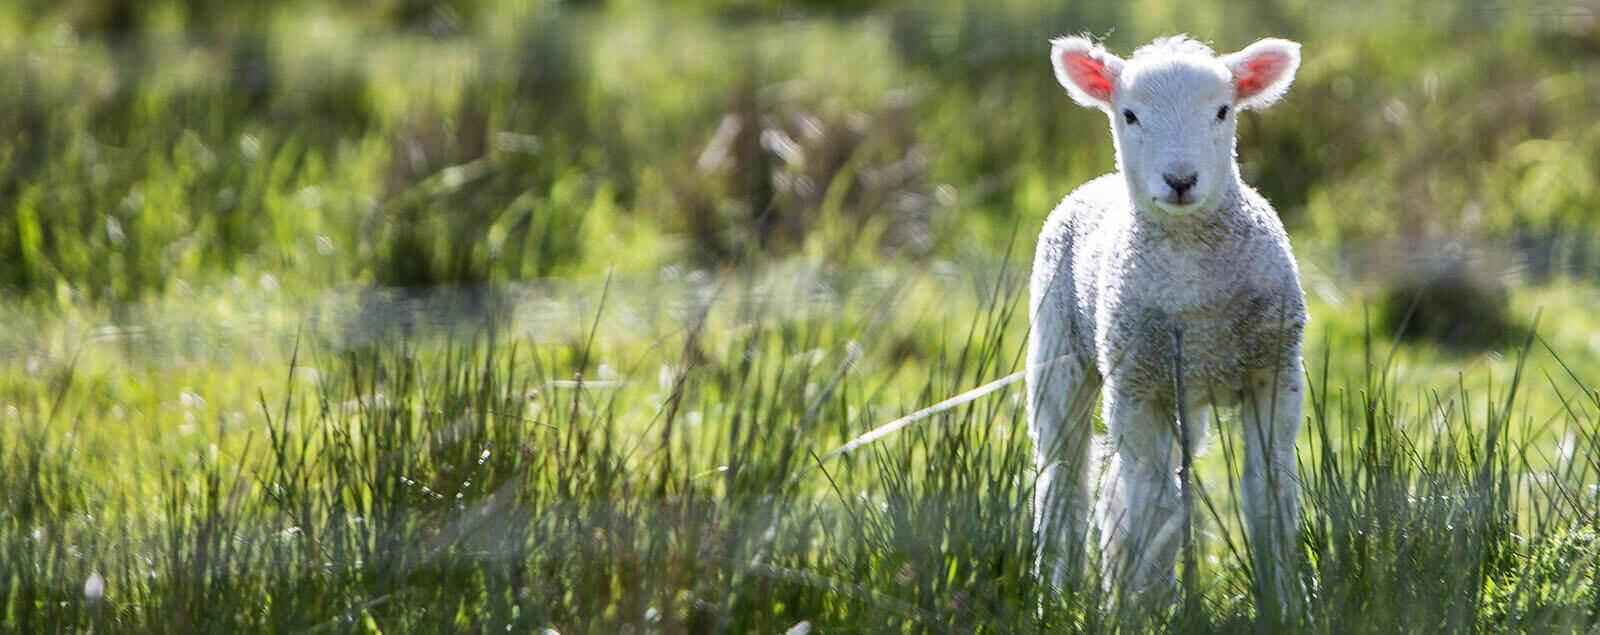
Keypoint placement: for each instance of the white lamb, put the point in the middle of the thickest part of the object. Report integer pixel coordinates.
(1172, 241)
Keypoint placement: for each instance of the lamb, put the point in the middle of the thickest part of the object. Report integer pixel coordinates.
(1173, 241)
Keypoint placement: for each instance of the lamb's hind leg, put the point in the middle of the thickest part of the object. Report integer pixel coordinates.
(1061, 394)
(1140, 512)
(1271, 487)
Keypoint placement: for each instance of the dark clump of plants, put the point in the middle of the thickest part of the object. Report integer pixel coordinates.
(1448, 298)
(776, 170)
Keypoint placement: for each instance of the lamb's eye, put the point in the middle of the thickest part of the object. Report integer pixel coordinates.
(1128, 116)
(1222, 113)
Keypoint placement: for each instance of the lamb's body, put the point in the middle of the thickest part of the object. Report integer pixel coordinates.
(1125, 282)
(1172, 244)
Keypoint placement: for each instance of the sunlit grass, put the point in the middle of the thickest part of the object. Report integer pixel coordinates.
(587, 481)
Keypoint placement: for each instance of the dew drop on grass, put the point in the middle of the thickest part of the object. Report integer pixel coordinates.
(249, 146)
(94, 588)
(665, 378)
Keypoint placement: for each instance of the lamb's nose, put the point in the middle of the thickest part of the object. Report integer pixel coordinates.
(1180, 184)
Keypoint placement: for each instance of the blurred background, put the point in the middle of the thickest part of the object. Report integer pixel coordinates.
(188, 181)
(162, 146)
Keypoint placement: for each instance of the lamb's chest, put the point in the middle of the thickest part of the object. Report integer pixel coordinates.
(1230, 327)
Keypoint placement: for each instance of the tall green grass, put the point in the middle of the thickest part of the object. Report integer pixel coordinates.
(476, 482)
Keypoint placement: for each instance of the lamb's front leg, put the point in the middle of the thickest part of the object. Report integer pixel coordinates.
(1140, 514)
(1061, 396)
(1270, 410)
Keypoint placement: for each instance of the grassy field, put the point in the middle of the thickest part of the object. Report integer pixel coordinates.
(517, 315)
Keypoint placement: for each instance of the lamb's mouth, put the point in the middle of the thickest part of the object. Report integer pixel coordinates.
(1184, 201)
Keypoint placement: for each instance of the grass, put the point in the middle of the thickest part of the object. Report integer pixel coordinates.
(482, 480)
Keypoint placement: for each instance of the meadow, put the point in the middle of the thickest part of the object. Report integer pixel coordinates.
(522, 315)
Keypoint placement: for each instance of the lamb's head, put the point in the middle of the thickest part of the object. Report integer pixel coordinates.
(1172, 108)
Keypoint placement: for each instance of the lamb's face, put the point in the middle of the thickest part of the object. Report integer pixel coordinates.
(1173, 124)
(1172, 108)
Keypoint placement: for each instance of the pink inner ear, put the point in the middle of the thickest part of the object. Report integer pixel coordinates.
(1088, 74)
(1258, 73)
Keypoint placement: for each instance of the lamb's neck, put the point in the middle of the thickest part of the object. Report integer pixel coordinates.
(1212, 225)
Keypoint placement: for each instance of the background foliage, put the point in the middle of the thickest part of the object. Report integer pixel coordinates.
(414, 143)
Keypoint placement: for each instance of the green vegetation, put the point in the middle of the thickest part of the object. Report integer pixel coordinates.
(460, 315)
(473, 485)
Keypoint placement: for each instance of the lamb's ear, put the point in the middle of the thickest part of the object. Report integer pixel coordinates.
(1086, 70)
(1262, 72)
